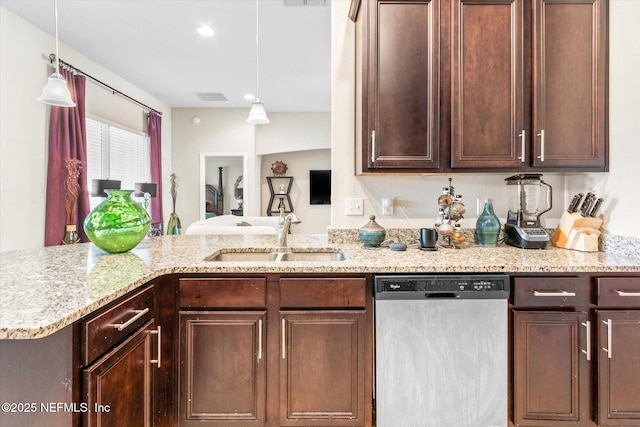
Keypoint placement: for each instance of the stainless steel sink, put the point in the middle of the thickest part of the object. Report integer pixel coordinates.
(275, 255)
(314, 256)
(244, 256)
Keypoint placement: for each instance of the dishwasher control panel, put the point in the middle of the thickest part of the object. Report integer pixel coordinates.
(472, 286)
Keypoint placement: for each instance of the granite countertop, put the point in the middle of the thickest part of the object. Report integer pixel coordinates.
(44, 290)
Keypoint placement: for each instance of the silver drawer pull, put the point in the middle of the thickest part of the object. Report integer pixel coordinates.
(609, 343)
(158, 332)
(541, 135)
(522, 136)
(284, 339)
(373, 146)
(260, 339)
(125, 325)
(587, 326)
(628, 294)
(554, 294)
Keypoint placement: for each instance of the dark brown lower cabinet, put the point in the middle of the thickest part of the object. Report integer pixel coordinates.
(551, 377)
(322, 368)
(119, 385)
(222, 368)
(618, 367)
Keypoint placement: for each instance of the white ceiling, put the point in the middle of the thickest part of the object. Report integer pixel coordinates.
(154, 45)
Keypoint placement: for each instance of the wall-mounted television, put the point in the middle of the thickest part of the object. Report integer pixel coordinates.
(320, 187)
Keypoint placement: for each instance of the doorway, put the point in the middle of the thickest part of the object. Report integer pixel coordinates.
(222, 178)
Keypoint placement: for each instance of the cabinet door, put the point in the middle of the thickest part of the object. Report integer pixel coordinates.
(119, 385)
(401, 112)
(487, 84)
(322, 368)
(550, 368)
(619, 368)
(222, 368)
(569, 112)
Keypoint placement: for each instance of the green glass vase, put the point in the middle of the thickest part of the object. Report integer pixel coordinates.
(487, 227)
(117, 224)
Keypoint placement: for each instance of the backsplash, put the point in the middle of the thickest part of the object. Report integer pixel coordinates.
(613, 244)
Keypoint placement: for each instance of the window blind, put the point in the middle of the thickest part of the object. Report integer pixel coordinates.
(116, 153)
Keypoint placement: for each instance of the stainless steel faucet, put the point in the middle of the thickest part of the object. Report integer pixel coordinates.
(284, 223)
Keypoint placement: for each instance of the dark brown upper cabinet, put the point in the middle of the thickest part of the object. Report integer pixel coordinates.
(570, 83)
(488, 85)
(491, 85)
(401, 85)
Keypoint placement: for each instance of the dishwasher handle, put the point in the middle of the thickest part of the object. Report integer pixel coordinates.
(442, 295)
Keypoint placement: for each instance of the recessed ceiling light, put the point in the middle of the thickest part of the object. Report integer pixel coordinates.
(249, 97)
(206, 31)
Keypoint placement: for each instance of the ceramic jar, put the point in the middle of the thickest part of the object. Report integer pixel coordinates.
(372, 234)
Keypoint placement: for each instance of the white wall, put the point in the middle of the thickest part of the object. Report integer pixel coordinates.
(417, 194)
(294, 132)
(315, 218)
(24, 51)
(225, 130)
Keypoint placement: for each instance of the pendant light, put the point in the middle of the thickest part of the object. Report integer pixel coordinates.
(56, 91)
(257, 115)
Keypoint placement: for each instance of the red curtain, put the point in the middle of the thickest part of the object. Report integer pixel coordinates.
(155, 137)
(67, 140)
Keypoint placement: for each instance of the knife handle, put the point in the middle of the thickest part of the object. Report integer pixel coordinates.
(596, 207)
(585, 209)
(573, 206)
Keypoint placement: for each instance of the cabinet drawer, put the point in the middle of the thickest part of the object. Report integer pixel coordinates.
(619, 292)
(103, 331)
(550, 292)
(223, 293)
(322, 293)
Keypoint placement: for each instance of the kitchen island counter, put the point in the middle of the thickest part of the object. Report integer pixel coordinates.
(44, 290)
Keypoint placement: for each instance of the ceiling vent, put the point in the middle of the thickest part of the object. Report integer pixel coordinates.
(305, 2)
(211, 96)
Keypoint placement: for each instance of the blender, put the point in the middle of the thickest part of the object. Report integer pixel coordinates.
(523, 227)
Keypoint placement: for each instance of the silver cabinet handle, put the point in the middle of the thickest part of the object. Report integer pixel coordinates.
(522, 143)
(554, 294)
(587, 326)
(541, 135)
(609, 343)
(628, 294)
(260, 339)
(284, 338)
(125, 325)
(373, 146)
(158, 332)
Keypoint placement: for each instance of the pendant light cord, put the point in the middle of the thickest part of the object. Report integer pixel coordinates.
(257, 54)
(55, 14)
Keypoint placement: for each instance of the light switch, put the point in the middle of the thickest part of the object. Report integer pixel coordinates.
(353, 206)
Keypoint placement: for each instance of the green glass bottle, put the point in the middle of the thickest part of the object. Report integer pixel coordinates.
(487, 227)
(117, 224)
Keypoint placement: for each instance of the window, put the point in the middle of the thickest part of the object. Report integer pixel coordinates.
(116, 153)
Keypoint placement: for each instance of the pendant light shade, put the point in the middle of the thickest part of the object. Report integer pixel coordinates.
(257, 115)
(56, 91)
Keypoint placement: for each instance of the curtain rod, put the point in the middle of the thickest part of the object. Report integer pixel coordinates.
(52, 58)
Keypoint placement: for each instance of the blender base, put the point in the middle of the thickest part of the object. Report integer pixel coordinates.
(526, 238)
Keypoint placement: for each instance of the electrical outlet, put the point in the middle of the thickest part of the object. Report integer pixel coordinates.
(353, 206)
(480, 205)
(387, 206)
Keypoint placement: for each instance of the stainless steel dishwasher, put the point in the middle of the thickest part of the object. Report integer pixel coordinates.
(441, 350)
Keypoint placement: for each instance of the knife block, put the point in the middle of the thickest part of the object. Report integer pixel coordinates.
(578, 232)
